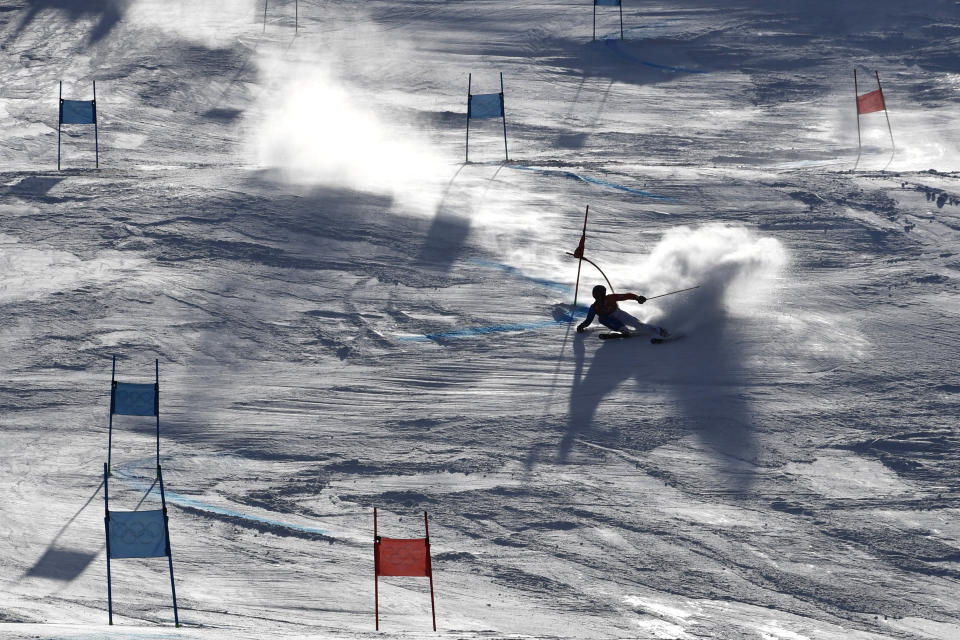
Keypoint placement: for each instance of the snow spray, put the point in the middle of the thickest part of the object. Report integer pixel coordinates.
(736, 270)
(318, 128)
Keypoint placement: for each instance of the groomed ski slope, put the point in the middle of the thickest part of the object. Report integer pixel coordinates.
(346, 315)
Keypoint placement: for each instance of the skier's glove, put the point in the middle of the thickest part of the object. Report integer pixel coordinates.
(641, 299)
(580, 328)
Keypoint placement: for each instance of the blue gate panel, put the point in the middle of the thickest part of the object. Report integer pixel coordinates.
(137, 534)
(131, 399)
(77, 112)
(486, 105)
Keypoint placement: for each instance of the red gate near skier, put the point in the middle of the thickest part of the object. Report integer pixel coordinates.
(871, 102)
(401, 557)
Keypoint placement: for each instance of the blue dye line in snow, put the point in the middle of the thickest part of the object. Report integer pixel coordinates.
(611, 185)
(614, 45)
(184, 501)
(550, 284)
(478, 331)
(576, 176)
(202, 506)
(127, 635)
(503, 328)
(664, 67)
(469, 332)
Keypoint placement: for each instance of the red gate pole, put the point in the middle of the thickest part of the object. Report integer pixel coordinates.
(433, 608)
(376, 591)
(886, 114)
(583, 236)
(856, 101)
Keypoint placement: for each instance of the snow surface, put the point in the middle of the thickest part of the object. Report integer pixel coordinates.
(346, 316)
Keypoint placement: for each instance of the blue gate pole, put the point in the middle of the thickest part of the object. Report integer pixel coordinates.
(106, 523)
(96, 136)
(113, 397)
(503, 114)
(594, 19)
(156, 408)
(59, 122)
(621, 19)
(469, 78)
(166, 527)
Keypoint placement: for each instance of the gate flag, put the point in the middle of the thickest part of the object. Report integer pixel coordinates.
(133, 399)
(607, 3)
(399, 557)
(78, 112)
(409, 557)
(870, 103)
(137, 534)
(578, 252)
(485, 105)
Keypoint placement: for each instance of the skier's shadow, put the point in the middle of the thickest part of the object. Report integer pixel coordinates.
(696, 385)
(606, 372)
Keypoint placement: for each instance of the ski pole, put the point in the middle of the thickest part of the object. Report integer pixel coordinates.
(673, 292)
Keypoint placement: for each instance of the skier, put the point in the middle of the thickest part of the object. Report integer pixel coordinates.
(612, 316)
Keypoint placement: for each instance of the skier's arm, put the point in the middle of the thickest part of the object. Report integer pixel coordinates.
(619, 297)
(586, 323)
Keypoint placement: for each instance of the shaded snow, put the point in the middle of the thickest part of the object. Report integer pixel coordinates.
(347, 316)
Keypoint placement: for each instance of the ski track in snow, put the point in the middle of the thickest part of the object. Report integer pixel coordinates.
(347, 315)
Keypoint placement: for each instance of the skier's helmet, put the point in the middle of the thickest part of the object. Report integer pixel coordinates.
(599, 292)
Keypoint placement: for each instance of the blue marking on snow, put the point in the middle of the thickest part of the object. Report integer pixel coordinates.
(597, 181)
(202, 506)
(503, 328)
(113, 636)
(550, 284)
(478, 331)
(184, 501)
(665, 67)
(614, 45)
(469, 332)
(619, 187)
